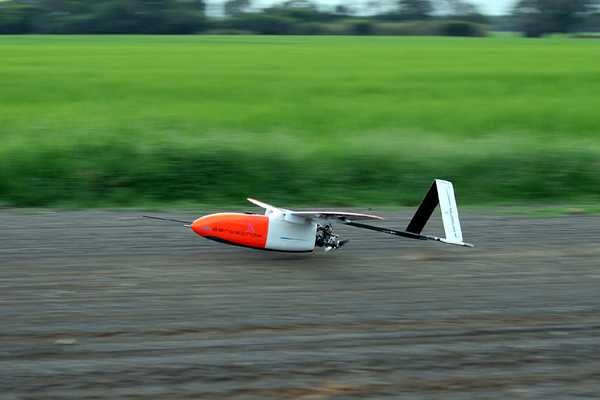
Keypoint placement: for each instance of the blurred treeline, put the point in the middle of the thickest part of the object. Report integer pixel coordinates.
(296, 17)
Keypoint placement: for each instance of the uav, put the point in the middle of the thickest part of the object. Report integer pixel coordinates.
(280, 229)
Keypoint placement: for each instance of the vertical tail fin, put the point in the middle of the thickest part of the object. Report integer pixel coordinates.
(441, 193)
(449, 211)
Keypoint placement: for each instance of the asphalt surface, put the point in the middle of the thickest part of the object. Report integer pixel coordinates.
(107, 305)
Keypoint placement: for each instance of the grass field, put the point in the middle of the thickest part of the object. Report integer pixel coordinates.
(114, 120)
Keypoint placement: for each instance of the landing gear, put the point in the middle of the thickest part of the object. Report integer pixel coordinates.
(327, 238)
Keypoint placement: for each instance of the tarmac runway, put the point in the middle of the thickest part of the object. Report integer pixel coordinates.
(107, 305)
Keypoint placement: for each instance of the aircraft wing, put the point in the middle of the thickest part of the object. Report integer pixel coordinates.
(266, 206)
(314, 215)
(325, 215)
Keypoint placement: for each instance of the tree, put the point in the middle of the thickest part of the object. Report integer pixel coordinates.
(461, 8)
(302, 10)
(102, 16)
(195, 6)
(263, 24)
(16, 17)
(376, 7)
(236, 7)
(200, 6)
(539, 17)
(465, 10)
(343, 9)
(415, 9)
(300, 4)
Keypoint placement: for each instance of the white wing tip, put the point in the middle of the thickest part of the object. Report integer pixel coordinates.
(259, 203)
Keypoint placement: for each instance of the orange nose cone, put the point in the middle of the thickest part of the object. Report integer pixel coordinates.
(202, 226)
(234, 228)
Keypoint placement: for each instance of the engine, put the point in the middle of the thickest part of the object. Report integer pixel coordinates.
(327, 238)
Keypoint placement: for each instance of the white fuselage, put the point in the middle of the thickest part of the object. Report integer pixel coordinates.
(287, 233)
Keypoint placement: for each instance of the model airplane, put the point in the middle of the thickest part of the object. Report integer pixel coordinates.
(279, 229)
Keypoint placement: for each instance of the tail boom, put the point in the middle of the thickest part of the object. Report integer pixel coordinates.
(441, 193)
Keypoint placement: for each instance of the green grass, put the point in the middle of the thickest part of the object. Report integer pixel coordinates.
(116, 120)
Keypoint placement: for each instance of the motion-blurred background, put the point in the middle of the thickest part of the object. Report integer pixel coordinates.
(189, 107)
(368, 114)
